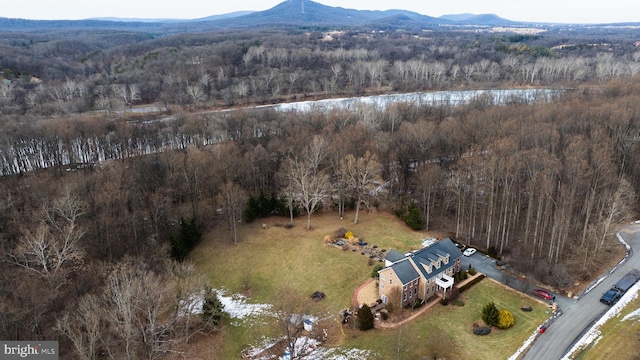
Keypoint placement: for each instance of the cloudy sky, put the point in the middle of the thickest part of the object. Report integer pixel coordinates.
(565, 11)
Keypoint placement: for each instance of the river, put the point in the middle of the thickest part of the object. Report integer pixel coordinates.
(28, 154)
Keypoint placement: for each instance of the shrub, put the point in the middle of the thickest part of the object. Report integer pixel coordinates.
(460, 275)
(365, 318)
(492, 251)
(444, 302)
(471, 283)
(505, 319)
(490, 314)
(340, 232)
(458, 303)
(485, 330)
(471, 270)
(348, 235)
(374, 272)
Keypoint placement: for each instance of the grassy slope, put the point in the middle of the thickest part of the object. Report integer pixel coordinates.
(297, 259)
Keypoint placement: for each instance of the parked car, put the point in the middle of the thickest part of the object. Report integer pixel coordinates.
(543, 294)
(469, 252)
(611, 296)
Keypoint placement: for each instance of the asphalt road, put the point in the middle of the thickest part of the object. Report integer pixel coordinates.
(577, 318)
(577, 314)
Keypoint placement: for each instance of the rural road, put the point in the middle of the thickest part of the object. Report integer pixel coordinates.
(577, 318)
(577, 315)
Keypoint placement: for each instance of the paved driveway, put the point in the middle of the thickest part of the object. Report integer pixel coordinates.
(487, 266)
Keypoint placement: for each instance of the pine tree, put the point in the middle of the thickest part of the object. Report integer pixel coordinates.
(413, 218)
(365, 318)
(211, 309)
(187, 238)
(490, 314)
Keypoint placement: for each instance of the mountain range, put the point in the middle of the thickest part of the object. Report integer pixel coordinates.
(289, 13)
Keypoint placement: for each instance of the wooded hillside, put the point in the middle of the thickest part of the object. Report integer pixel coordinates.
(543, 183)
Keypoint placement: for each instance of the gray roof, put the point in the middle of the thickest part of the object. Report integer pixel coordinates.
(405, 271)
(394, 256)
(432, 252)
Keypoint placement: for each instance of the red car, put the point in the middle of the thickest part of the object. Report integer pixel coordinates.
(543, 294)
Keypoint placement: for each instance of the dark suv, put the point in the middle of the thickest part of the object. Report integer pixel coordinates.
(611, 296)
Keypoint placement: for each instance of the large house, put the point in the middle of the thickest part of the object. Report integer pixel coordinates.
(418, 275)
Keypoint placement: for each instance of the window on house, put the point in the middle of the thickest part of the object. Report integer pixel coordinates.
(415, 291)
(404, 288)
(404, 297)
(381, 276)
(390, 281)
(381, 286)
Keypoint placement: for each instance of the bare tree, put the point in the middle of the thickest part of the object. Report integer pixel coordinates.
(196, 93)
(289, 314)
(307, 188)
(84, 326)
(233, 198)
(55, 241)
(129, 94)
(362, 177)
(122, 307)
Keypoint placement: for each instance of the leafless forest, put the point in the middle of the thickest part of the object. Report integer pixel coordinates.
(92, 190)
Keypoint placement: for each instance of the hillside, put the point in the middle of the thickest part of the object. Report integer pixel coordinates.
(286, 14)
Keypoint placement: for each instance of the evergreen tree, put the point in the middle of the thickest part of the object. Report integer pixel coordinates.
(490, 314)
(413, 218)
(365, 318)
(211, 309)
(187, 238)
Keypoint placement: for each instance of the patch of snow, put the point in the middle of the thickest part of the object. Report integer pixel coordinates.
(623, 242)
(238, 307)
(594, 334)
(235, 305)
(311, 349)
(525, 345)
(632, 315)
(628, 247)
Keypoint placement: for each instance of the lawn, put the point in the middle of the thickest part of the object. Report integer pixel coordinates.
(620, 338)
(268, 260)
(446, 331)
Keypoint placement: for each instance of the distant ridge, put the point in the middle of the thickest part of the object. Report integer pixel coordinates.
(481, 19)
(167, 21)
(287, 14)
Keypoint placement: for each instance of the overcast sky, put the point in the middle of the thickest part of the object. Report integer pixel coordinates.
(565, 11)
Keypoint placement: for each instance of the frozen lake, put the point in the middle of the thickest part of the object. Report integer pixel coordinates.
(453, 98)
